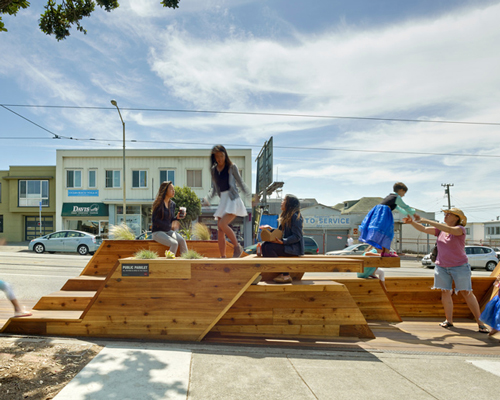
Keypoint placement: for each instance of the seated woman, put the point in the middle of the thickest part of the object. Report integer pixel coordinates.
(292, 243)
(164, 216)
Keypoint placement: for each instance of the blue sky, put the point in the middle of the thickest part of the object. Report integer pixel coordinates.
(420, 60)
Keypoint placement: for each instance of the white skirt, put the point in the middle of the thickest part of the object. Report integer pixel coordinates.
(228, 206)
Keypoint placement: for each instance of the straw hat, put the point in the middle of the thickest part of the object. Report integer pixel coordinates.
(459, 213)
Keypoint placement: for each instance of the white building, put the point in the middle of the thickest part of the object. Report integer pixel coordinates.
(89, 193)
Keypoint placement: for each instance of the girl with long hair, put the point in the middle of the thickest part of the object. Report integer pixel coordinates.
(292, 243)
(225, 179)
(163, 217)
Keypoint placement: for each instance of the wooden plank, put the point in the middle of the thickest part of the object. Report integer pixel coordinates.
(318, 316)
(84, 282)
(162, 268)
(65, 300)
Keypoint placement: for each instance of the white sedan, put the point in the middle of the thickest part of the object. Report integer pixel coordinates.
(67, 241)
(479, 257)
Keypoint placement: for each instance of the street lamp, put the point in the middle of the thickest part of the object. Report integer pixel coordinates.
(124, 187)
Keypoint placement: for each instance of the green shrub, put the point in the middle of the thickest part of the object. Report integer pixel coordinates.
(146, 254)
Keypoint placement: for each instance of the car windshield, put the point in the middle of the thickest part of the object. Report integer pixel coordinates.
(352, 247)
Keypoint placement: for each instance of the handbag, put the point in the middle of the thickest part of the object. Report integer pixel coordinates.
(269, 236)
(434, 251)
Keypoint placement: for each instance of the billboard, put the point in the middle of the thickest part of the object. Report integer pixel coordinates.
(264, 167)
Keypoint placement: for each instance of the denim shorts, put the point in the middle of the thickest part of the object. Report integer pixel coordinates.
(461, 275)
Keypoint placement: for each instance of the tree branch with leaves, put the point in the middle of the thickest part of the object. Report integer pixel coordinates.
(60, 16)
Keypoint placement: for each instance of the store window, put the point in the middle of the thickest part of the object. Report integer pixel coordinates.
(92, 178)
(1, 223)
(113, 179)
(497, 230)
(73, 178)
(194, 178)
(139, 179)
(32, 192)
(167, 175)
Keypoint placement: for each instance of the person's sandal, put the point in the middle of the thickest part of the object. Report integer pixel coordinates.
(483, 329)
(283, 279)
(446, 324)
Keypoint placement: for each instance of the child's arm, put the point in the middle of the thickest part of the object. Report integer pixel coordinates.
(403, 208)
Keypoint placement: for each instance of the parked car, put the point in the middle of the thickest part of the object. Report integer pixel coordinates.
(310, 246)
(145, 236)
(65, 241)
(497, 251)
(355, 249)
(479, 257)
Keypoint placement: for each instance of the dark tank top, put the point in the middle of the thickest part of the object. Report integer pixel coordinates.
(222, 178)
(390, 201)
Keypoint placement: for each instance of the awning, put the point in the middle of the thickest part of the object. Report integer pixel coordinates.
(84, 210)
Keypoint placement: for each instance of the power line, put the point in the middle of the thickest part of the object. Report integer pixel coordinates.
(260, 114)
(56, 136)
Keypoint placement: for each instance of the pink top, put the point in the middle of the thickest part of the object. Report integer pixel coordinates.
(451, 249)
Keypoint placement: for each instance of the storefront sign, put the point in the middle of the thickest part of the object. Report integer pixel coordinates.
(321, 221)
(85, 210)
(135, 269)
(83, 193)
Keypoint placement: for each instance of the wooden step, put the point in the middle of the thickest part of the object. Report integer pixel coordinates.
(84, 282)
(65, 300)
(36, 324)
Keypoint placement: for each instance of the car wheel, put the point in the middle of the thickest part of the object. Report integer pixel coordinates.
(83, 250)
(39, 248)
(490, 265)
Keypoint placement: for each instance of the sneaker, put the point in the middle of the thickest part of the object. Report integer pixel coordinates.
(237, 251)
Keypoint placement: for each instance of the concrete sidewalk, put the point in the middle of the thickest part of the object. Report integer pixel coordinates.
(129, 370)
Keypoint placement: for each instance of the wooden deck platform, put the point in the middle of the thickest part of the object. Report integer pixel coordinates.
(212, 299)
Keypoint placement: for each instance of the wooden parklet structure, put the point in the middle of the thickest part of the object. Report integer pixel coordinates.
(117, 296)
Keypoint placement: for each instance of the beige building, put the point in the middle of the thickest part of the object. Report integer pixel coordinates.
(27, 202)
(89, 194)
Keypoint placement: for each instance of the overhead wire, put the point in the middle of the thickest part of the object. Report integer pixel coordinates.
(58, 136)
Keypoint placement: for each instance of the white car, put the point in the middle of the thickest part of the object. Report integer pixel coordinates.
(67, 241)
(479, 257)
(355, 249)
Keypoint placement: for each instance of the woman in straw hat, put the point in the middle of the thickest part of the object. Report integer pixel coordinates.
(452, 264)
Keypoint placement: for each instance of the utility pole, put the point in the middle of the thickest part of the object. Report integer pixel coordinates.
(447, 191)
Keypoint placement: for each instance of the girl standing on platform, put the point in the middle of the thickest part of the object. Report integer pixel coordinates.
(377, 229)
(18, 310)
(292, 243)
(491, 313)
(225, 179)
(163, 217)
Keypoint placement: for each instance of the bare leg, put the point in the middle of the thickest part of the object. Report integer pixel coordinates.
(472, 303)
(447, 304)
(225, 230)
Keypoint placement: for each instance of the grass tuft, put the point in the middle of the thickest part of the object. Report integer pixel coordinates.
(191, 255)
(146, 254)
(121, 232)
